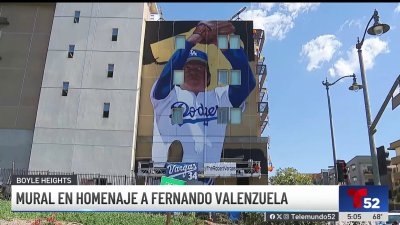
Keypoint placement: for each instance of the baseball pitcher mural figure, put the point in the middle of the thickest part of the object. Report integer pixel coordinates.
(201, 135)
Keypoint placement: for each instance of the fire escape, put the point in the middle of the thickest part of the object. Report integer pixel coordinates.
(261, 73)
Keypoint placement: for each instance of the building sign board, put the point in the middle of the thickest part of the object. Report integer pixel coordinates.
(182, 171)
(221, 169)
(171, 181)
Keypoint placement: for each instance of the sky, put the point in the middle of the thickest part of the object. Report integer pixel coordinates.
(305, 44)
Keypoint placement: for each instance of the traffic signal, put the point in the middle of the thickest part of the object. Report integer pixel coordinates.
(339, 167)
(344, 168)
(383, 160)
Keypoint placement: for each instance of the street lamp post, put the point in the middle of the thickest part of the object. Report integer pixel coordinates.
(354, 87)
(376, 29)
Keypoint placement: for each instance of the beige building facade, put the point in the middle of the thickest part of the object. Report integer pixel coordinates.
(23, 51)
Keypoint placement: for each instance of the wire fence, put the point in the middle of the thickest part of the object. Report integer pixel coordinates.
(83, 179)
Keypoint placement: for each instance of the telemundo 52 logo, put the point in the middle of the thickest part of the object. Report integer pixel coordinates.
(363, 199)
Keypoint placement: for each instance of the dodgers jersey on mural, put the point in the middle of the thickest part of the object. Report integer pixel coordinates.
(202, 138)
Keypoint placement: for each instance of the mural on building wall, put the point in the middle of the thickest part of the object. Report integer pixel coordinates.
(189, 81)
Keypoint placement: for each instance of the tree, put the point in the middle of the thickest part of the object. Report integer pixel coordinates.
(290, 176)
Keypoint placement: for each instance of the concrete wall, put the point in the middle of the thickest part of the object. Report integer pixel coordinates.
(70, 131)
(23, 49)
(15, 146)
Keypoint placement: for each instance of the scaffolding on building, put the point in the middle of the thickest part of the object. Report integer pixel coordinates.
(152, 172)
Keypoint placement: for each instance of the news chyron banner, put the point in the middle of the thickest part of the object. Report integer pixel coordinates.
(279, 203)
(363, 203)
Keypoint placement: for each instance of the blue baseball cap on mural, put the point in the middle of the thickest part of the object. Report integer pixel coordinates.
(198, 55)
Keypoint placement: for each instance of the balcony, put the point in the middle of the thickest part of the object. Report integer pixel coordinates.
(261, 60)
(263, 109)
(396, 175)
(261, 72)
(259, 38)
(367, 171)
(368, 174)
(396, 160)
(263, 125)
(263, 92)
(264, 116)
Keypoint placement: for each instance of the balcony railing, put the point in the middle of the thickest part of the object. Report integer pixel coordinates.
(367, 171)
(261, 71)
(263, 92)
(261, 60)
(262, 107)
(263, 126)
(259, 38)
(264, 116)
(396, 175)
(396, 160)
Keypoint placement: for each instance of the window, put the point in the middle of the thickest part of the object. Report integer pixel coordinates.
(236, 115)
(65, 89)
(235, 77)
(222, 115)
(106, 110)
(180, 42)
(222, 41)
(110, 72)
(234, 42)
(353, 167)
(71, 50)
(76, 17)
(222, 77)
(177, 115)
(355, 179)
(178, 77)
(114, 34)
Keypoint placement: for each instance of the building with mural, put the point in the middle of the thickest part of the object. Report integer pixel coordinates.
(201, 98)
(112, 88)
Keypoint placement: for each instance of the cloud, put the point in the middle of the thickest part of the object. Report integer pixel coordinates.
(267, 6)
(296, 8)
(397, 9)
(320, 50)
(372, 47)
(351, 23)
(277, 24)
